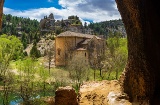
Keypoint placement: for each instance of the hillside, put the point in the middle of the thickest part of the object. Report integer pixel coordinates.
(24, 28)
(103, 28)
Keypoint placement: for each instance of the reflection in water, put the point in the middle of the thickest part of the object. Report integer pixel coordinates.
(14, 99)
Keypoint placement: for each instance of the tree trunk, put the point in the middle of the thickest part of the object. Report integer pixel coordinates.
(94, 74)
(117, 73)
(142, 73)
(100, 72)
(1, 13)
(44, 88)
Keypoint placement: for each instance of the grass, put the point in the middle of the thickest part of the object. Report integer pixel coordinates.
(59, 76)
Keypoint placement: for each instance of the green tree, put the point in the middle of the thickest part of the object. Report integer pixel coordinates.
(26, 80)
(12, 25)
(35, 53)
(116, 56)
(10, 48)
(43, 80)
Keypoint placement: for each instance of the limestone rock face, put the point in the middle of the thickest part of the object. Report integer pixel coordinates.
(142, 73)
(1, 12)
(66, 96)
(102, 93)
(115, 98)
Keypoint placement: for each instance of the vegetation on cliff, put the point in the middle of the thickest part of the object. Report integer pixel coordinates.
(103, 28)
(24, 28)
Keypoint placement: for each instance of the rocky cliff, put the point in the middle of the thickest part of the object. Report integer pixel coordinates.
(1, 13)
(141, 20)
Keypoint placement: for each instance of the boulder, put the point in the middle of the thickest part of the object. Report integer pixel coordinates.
(66, 96)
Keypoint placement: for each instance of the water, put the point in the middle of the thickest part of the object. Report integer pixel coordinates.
(14, 99)
(15, 102)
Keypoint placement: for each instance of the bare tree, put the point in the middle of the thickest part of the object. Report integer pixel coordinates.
(78, 69)
(96, 55)
(50, 53)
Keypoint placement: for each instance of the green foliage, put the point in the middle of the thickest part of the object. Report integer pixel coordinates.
(35, 53)
(73, 17)
(13, 25)
(58, 31)
(75, 20)
(116, 55)
(103, 28)
(52, 37)
(26, 79)
(58, 84)
(25, 53)
(10, 48)
(39, 102)
(78, 69)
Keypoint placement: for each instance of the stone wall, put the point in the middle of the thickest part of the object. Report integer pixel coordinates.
(66, 46)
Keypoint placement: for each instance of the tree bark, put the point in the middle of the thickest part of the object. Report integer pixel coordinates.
(1, 13)
(142, 73)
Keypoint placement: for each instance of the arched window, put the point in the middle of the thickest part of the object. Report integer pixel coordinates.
(85, 54)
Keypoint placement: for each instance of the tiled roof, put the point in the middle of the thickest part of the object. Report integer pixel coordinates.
(74, 34)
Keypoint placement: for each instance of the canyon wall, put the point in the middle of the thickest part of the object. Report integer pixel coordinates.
(1, 12)
(142, 73)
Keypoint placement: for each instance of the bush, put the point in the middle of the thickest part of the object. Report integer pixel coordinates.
(76, 87)
(35, 53)
(25, 53)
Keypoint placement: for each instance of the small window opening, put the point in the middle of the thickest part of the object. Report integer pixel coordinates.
(59, 51)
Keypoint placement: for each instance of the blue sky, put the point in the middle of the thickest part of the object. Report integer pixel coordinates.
(31, 4)
(87, 10)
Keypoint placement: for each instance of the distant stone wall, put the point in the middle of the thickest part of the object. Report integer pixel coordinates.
(67, 47)
(60, 49)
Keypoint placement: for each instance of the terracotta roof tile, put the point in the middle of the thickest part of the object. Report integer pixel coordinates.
(74, 34)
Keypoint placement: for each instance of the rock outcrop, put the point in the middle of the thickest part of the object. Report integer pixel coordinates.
(1, 13)
(142, 73)
(102, 93)
(66, 96)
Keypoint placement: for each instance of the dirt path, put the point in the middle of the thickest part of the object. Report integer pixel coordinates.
(102, 93)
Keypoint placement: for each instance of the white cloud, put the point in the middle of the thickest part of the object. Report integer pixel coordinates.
(85, 9)
(70, 3)
(37, 13)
